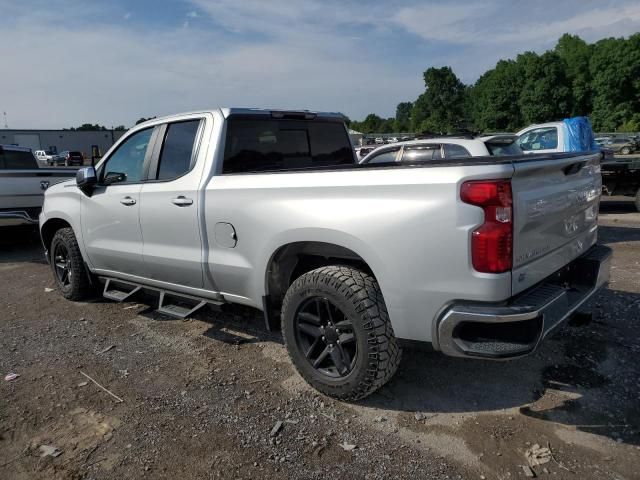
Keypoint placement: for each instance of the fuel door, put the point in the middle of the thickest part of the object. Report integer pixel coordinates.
(225, 235)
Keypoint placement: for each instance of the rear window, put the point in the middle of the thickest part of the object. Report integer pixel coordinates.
(16, 160)
(385, 156)
(264, 145)
(455, 151)
(499, 148)
(421, 153)
(75, 154)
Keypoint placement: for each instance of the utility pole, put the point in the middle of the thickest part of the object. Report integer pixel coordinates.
(6, 125)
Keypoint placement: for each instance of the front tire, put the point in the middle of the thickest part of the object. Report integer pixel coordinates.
(625, 151)
(68, 267)
(338, 333)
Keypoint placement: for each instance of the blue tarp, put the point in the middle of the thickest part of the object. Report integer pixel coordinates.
(579, 135)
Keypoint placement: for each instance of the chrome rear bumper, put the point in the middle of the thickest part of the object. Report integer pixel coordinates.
(516, 327)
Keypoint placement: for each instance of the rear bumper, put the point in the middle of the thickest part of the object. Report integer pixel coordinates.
(516, 327)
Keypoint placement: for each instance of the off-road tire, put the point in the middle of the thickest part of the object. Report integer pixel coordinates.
(79, 287)
(358, 295)
(637, 201)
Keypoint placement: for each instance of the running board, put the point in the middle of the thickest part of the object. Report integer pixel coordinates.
(190, 305)
(116, 294)
(174, 304)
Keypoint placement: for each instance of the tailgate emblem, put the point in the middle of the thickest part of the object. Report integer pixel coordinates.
(44, 184)
(571, 224)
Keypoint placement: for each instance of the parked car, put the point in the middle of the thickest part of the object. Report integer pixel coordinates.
(622, 145)
(439, 148)
(43, 156)
(22, 185)
(602, 141)
(68, 158)
(619, 176)
(482, 258)
(379, 141)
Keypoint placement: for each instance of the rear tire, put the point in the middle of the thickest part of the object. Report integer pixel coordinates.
(68, 266)
(338, 333)
(625, 151)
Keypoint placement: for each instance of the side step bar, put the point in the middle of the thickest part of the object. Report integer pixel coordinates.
(187, 305)
(178, 305)
(117, 294)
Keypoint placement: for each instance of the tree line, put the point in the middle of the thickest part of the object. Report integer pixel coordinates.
(599, 80)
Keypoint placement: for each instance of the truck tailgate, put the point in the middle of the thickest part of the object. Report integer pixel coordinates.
(555, 204)
(25, 188)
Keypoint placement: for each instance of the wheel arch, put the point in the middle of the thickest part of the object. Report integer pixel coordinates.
(293, 259)
(49, 228)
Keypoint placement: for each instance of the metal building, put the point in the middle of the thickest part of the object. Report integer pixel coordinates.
(60, 140)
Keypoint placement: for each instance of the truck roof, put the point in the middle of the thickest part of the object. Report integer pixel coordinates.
(276, 113)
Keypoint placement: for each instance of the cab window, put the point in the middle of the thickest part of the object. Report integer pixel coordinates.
(176, 157)
(545, 138)
(127, 162)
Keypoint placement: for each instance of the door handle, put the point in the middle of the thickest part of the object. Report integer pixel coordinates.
(182, 201)
(128, 201)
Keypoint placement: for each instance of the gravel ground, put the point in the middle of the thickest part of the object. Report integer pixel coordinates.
(216, 397)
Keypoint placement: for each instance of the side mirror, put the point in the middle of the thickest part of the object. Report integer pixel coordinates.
(86, 179)
(114, 177)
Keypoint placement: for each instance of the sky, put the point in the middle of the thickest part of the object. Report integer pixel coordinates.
(68, 62)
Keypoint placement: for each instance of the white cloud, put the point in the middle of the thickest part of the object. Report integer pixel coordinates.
(495, 24)
(329, 55)
(113, 75)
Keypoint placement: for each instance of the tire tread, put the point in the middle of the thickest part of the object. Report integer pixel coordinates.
(384, 353)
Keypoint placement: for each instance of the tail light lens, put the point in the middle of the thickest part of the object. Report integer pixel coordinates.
(492, 242)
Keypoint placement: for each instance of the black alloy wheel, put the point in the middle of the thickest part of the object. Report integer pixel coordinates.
(326, 336)
(61, 265)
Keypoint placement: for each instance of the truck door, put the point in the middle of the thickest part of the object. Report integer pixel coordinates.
(110, 217)
(170, 204)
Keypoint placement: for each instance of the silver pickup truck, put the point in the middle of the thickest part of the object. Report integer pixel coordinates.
(22, 185)
(481, 257)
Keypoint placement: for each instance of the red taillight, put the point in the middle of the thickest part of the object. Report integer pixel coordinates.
(492, 242)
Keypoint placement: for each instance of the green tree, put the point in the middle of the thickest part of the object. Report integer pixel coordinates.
(403, 117)
(441, 107)
(89, 126)
(493, 100)
(120, 128)
(576, 54)
(546, 91)
(615, 71)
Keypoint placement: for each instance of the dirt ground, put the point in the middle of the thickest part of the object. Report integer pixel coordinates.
(204, 398)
